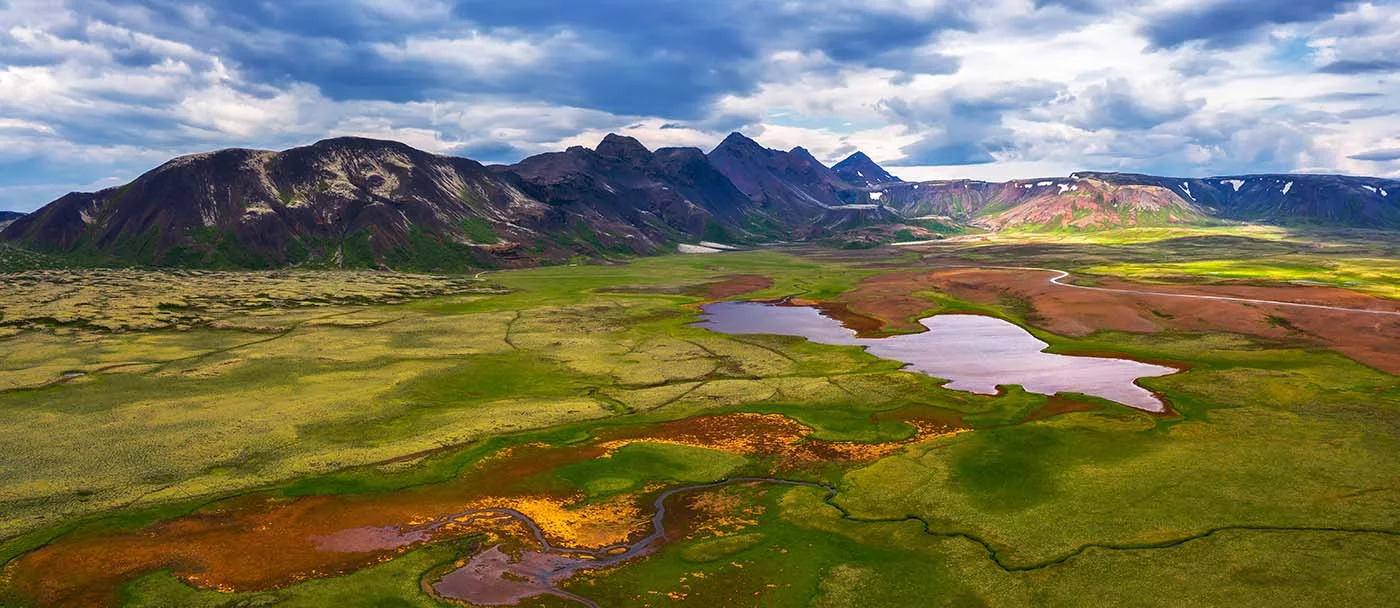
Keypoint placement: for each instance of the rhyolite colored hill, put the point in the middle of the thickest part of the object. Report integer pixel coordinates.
(1092, 200)
(1330, 200)
(354, 202)
(1073, 203)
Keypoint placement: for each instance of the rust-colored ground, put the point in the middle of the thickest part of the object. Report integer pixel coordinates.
(261, 542)
(736, 285)
(1370, 339)
(1059, 405)
(733, 285)
(864, 326)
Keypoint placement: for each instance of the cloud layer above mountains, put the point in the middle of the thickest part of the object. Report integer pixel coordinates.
(93, 92)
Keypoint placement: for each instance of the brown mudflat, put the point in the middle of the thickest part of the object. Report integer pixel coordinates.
(737, 285)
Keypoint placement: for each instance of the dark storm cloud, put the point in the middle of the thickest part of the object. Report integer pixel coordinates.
(1115, 105)
(1228, 23)
(1363, 113)
(1353, 66)
(489, 153)
(1198, 65)
(645, 57)
(964, 126)
(1379, 156)
(1077, 6)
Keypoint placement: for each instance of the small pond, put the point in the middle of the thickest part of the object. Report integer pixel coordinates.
(974, 353)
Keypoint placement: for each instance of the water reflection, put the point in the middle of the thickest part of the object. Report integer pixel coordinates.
(974, 353)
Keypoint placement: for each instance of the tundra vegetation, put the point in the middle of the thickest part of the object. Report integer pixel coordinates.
(193, 438)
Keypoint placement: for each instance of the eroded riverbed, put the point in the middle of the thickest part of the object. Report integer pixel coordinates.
(973, 352)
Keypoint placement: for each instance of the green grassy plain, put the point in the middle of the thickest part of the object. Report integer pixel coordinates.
(1274, 484)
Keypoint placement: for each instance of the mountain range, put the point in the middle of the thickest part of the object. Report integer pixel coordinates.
(363, 202)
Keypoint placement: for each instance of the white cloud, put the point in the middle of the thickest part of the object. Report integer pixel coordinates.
(408, 10)
(109, 92)
(482, 53)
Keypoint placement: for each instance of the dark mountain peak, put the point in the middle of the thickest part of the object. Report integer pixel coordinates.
(622, 147)
(685, 151)
(738, 143)
(360, 143)
(803, 154)
(859, 170)
(354, 146)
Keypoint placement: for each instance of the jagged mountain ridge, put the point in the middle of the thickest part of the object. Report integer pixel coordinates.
(356, 201)
(674, 190)
(364, 202)
(786, 185)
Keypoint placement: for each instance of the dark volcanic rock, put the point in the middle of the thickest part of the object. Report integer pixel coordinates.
(858, 170)
(786, 186)
(348, 201)
(672, 191)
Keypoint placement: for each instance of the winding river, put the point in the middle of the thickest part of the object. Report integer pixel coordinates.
(496, 578)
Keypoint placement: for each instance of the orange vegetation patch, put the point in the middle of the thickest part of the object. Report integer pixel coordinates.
(1368, 338)
(592, 526)
(719, 512)
(261, 542)
(773, 435)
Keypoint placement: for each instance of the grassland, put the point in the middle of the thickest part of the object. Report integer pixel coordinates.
(1272, 484)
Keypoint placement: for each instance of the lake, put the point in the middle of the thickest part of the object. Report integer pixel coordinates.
(973, 352)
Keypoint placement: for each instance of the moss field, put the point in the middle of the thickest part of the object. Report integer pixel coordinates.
(129, 398)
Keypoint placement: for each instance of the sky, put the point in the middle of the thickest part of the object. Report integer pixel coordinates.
(95, 92)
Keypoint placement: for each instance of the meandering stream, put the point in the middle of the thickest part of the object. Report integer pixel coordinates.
(496, 578)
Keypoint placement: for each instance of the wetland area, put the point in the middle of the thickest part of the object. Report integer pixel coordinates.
(921, 426)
